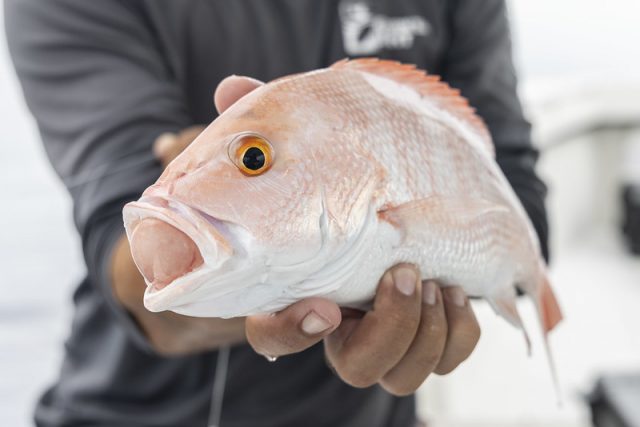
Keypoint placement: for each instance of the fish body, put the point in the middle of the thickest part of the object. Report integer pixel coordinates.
(316, 183)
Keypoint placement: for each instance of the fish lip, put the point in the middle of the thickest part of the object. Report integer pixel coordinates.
(191, 222)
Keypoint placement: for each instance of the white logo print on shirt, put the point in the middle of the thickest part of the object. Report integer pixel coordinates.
(364, 32)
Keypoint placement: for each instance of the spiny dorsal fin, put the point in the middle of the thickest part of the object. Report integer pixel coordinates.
(428, 86)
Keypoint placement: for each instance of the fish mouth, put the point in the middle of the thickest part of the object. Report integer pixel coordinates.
(174, 246)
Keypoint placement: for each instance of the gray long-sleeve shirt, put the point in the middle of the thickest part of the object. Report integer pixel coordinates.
(104, 78)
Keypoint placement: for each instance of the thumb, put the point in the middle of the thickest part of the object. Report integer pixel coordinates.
(294, 329)
(231, 89)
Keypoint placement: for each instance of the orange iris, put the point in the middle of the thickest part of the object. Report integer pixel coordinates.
(253, 154)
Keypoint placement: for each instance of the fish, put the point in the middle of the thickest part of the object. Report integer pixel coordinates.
(314, 184)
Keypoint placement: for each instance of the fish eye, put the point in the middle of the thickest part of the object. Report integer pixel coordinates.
(253, 159)
(252, 154)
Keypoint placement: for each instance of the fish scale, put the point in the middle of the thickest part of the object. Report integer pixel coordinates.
(372, 163)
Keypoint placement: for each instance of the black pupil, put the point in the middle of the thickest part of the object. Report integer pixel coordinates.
(253, 159)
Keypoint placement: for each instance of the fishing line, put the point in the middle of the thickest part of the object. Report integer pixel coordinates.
(219, 383)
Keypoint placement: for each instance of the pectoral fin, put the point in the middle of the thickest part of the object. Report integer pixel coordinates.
(441, 210)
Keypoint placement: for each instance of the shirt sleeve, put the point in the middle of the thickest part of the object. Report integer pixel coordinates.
(478, 61)
(96, 81)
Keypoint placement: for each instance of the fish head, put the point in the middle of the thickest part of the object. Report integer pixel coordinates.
(241, 216)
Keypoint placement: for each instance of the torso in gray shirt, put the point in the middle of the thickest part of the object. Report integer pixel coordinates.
(104, 78)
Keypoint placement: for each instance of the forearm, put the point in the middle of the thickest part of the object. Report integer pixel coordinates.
(169, 333)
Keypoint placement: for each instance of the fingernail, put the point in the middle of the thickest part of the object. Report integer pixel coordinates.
(457, 296)
(405, 280)
(313, 324)
(429, 289)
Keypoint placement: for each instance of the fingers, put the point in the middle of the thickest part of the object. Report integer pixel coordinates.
(463, 330)
(363, 350)
(294, 329)
(169, 145)
(427, 348)
(231, 89)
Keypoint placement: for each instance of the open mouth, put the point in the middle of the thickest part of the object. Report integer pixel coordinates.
(163, 253)
(170, 240)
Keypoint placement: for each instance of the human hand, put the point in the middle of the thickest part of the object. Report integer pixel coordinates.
(413, 330)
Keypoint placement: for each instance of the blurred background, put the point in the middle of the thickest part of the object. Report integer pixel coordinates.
(579, 66)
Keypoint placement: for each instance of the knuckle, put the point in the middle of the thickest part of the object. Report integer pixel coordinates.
(469, 337)
(263, 342)
(446, 369)
(358, 377)
(256, 342)
(271, 346)
(401, 389)
(427, 361)
(403, 320)
(437, 328)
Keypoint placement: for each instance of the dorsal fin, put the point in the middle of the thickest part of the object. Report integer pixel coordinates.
(426, 85)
